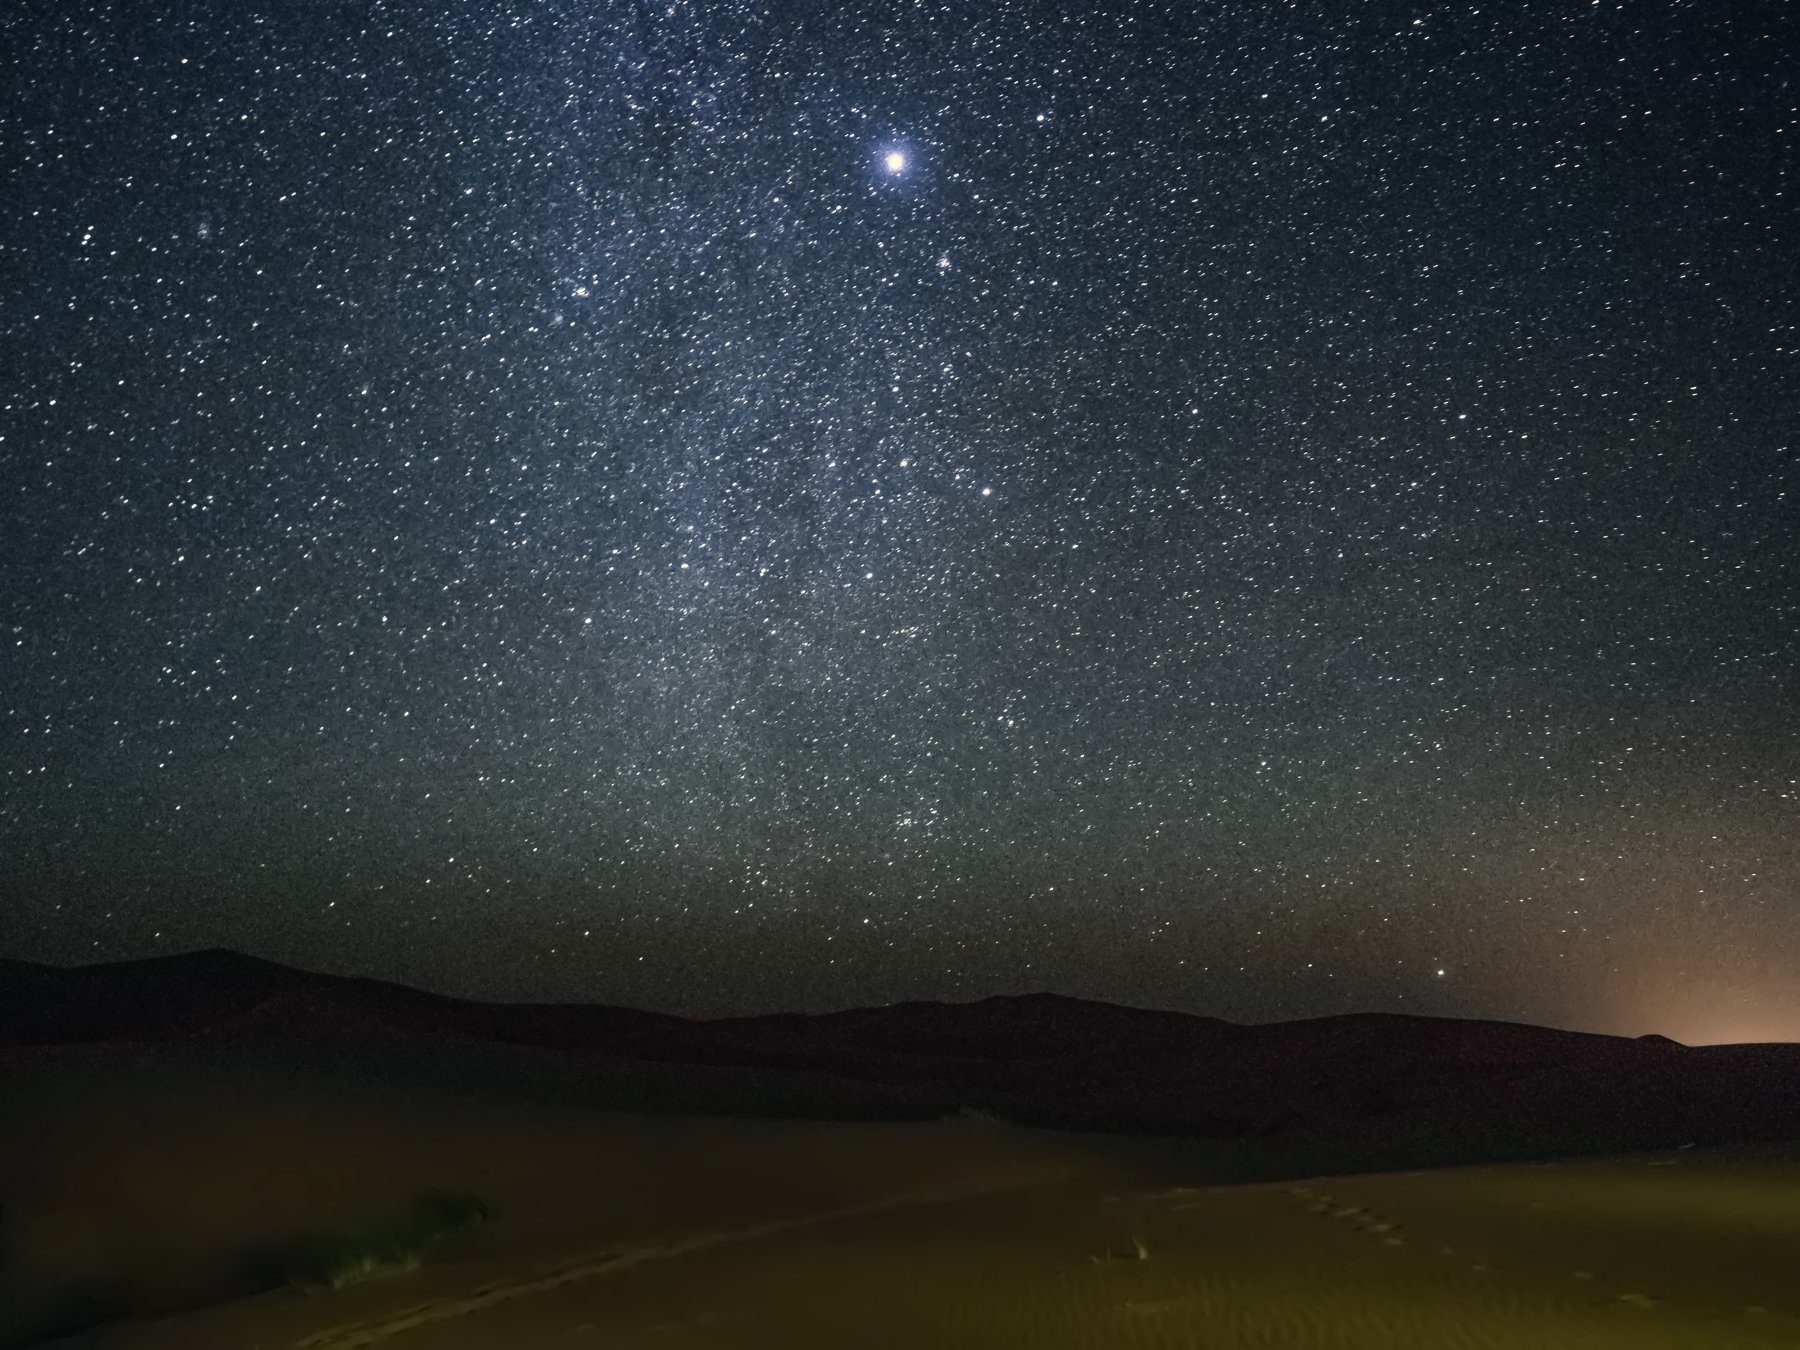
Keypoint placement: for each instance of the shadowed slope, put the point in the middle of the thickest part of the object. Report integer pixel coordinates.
(1471, 1088)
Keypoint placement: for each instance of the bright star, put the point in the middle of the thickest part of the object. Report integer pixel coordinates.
(895, 161)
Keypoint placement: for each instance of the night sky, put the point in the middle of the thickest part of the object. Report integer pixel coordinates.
(1261, 509)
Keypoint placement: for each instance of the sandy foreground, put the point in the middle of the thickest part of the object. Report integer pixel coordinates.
(157, 1199)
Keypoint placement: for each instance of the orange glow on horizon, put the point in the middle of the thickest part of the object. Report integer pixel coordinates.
(1706, 1008)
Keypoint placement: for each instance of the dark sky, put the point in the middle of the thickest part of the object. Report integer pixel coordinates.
(1264, 509)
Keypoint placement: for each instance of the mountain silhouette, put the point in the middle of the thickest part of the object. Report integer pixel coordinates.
(1487, 1088)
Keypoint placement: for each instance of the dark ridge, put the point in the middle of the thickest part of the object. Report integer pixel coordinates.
(1479, 1088)
(215, 992)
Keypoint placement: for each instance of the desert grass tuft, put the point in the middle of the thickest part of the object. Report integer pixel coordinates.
(390, 1246)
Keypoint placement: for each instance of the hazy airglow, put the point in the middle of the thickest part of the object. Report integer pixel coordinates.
(1724, 1002)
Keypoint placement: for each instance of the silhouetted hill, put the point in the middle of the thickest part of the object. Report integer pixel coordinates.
(1481, 1088)
(217, 992)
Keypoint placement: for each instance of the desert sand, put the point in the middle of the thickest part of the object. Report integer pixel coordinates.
(150, 1197)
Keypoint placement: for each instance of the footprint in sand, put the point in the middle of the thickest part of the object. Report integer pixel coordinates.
(1162, 1306)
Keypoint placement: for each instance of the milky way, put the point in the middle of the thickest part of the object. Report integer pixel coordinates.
(1263, 509)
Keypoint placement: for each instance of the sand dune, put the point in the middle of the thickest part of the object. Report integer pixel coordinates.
(153, 1188)
(147, 1184)
(618, 1231)
(1370, 1262)
(1444, 1090)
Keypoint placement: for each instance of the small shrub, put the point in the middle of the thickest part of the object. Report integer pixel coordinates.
(388, 1247)
(1140, 1250)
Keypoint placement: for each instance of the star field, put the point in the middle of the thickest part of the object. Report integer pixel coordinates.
(1262, 509)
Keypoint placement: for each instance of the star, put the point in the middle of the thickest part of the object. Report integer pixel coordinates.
(1338, 567)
